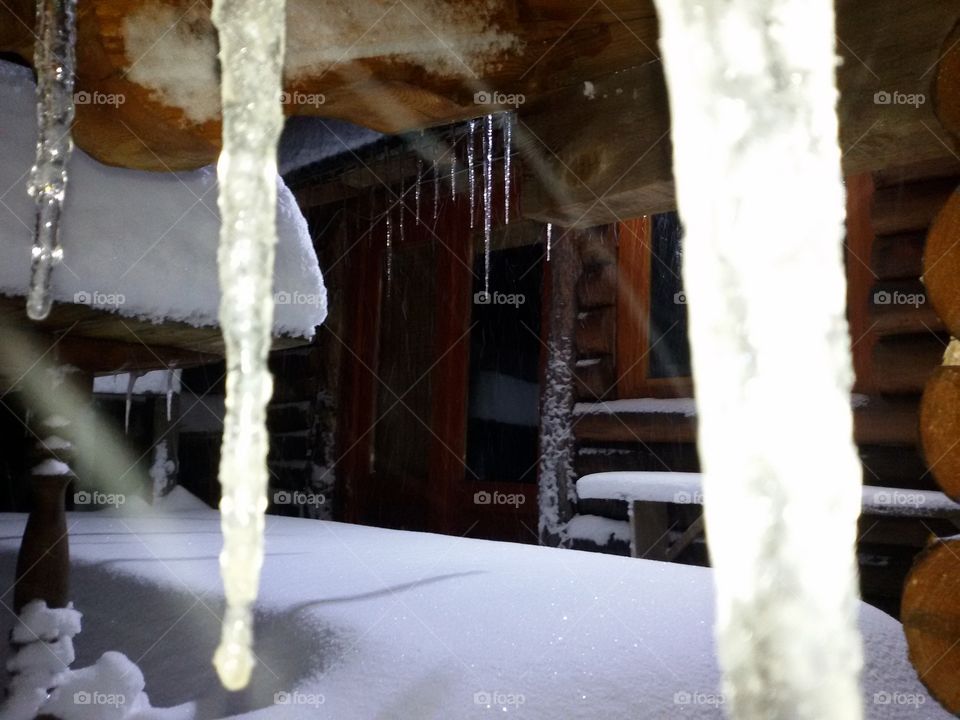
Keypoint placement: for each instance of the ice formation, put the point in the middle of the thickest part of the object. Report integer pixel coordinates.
(752, 97)
(54, 59)
(487, 198)
(507, 152)
(251, 51)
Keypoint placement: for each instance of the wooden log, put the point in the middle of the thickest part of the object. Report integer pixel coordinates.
(898, 257)
(904, 363)
(942, 167)
(893, 466)
(910, 207)
(595, 379)
(596, 332)
(597, 287)
(941, 264)
(947, 97)
(892, 420)
(901, 307)
(930, 613)
(607, 155)
(940, 428)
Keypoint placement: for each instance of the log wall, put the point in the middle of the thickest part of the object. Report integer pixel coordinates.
(897, 338)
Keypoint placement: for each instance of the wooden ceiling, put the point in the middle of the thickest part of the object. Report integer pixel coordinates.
(594, 122)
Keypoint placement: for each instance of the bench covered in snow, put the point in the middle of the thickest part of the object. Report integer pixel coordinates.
(644, 491)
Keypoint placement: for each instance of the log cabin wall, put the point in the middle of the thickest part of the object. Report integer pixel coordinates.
(897, 342)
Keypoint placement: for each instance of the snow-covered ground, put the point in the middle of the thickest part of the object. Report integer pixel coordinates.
(357, 622)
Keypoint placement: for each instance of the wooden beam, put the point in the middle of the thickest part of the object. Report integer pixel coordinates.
(600, 153)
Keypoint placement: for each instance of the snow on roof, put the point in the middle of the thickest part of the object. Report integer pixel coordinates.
(683, 488)
(155, 382)
(307, 140)
(142, 244)
(680, 406)
(360, 622)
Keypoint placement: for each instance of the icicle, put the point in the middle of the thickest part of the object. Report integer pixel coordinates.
(54, 59)
(753, 96)
(549, 239)
(417, 188)
(251, 34)
(507, 150)
(453, 168)
(389, 221)
(436, 192)
(471, 171)
(487, 198)
(131, 381)
(169, 393)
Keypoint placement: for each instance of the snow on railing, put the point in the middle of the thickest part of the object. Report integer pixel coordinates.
(757, 166)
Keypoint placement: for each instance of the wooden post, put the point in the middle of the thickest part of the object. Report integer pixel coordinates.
(44, 558)
(555, 475)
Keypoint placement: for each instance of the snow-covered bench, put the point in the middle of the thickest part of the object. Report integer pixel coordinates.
(648, 493)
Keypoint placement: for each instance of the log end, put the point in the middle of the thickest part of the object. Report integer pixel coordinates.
(931, 621)
(940, 428)
(941, 264)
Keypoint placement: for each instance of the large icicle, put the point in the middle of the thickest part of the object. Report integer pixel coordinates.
(549, 240)
(752, 99)
(251, 36)
(54, 59)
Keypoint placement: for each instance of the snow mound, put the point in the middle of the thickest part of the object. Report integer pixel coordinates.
(358, 623)
(141, 244)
